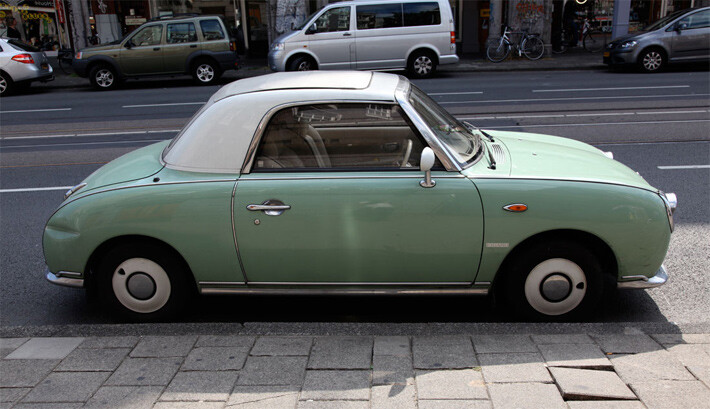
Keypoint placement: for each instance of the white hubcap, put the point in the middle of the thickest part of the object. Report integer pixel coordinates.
(104, 78)
(652, 61)
(141, 285)
(205, 73)
(555, 286)
(3, 85)
(304, 66)
(422, 65)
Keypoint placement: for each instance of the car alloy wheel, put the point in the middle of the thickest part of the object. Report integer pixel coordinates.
(555, 286)
(205, 72)
(141, 285)
(652, 61)
(305, 65)
(3, 85)
(104, 78)
(423, 65)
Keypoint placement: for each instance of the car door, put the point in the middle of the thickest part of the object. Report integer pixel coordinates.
(180, 42)
(692, 40)
(331, 39)
(380, 43)
(334, 196)
(142, 54)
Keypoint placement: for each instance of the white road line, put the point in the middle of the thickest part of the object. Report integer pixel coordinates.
(51, 145)
(163, 105)
(684, 167)
(598, 124)
(609, 89)
(671, 112)
(21, 111)
(8, 138)
(602, 114)
(454, 93)
(568, 99)
(581, 115)
(35, 189)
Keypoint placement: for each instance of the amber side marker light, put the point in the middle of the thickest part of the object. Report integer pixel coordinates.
(517, 207)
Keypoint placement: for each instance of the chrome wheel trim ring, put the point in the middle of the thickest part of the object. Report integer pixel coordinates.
(205, 73)
(305, 65)
(104, 78)
(554, 268)
(423, 65)
(652, 61)
(141, 267)
(3, 85)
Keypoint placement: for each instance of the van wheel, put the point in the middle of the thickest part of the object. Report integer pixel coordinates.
(421, 64)
(302, 64)
(103, 77)
(652, 60)
(205, 72)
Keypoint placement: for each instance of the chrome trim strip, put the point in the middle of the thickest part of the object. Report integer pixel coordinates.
(65, 279)
(639, 281)
(220, 283)
(344, 291)
(605, 182)
(312, 284)
(234, 234)
(482, 283)
(418, 176)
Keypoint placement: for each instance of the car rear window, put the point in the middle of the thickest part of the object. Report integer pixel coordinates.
(422, 14)
(20, 46)
(211, 30)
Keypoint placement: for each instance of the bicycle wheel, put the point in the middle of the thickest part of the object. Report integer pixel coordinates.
(497, 50)
(594, 41)
(533, 47)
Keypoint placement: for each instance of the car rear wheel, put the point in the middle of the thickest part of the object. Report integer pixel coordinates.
(205, 72)
(652, 60)
(142, 282)
(6, 84)
(554, 281)
(422, 64)
(103, 77)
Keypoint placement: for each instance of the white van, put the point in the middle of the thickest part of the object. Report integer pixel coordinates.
(371, 35)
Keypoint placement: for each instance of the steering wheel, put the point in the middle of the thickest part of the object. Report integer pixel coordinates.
(407, 154)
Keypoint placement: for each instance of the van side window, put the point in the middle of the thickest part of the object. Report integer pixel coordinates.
(379, 16)
(211, 30)
(422, 14)
(181, 33)
(335, 19)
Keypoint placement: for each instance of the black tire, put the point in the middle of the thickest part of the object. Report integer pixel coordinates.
(103, 77)
(142, 282)
(497, 51)
(206, 72)
(533, 48)
(421, 64)
(303, 63)
(594, 41)
(7, 86)
(652, 60)
(553, 281)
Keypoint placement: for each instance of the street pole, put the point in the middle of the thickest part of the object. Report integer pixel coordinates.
(620, 24)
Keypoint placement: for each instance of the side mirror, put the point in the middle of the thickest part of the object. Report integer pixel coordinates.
(128, 44)
(680, 27)
(312, 29)
(425, 164)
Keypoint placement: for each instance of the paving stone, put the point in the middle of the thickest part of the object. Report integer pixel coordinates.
(240, 341)
(525, 396)
(650, 365)
(67, 387)
(145, 371)
(271, 370)
(7, 345)
(454, 404)
(609, 404)
(657, 394)
(690, 354)
(398, 346)
(189, 405)
(163, 346)
(562, 339)
(93, 359)
(701, 372)
(393, 397)
(263, 397)
(450, 384)
(200, 386)
(215, 359)
(519, 367)
(24, 372)
(503, 343)
(681, 338)
(584, 384)
(341, 353)
(11, 395)
(443, 352)
(336, 385)
(588, 356)
(124, 397)
(45, 348)
(333, 404)
(390, 369)
(282, 346)
(626, 344)
(110, 342)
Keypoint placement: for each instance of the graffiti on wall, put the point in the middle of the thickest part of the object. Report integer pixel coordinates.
(289, 13)
(529, 10)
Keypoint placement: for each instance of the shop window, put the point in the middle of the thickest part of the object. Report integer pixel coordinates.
(211, 30)
(181, 33)
(421, 14)
(379, 16)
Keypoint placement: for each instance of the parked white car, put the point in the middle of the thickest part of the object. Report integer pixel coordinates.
(21, 64)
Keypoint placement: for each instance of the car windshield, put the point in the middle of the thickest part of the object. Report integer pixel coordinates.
(309, 18)
(665, 20)
(462, 142)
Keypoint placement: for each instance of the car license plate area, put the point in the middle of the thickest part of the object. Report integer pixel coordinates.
(44, 66)
(606, 54)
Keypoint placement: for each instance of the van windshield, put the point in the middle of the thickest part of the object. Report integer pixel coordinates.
(309, 18)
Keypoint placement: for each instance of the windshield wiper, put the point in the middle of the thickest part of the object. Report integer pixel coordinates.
(475, 128)
(491, 158)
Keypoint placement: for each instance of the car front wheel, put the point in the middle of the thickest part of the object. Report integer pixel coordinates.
(652, 60)
(103, 77)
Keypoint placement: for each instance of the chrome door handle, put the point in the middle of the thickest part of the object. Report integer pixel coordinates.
(271, 207)
(255, 208)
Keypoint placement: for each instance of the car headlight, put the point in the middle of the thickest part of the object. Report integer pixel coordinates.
(629, 44)
(277, 46)
(671, 202)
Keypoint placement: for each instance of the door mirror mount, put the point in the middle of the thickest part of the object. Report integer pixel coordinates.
(311, 29)
(128, 44)
(425, 164)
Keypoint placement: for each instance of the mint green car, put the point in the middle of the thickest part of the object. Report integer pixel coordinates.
(357, 183)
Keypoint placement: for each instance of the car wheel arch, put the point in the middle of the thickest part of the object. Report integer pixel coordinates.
(94, 61)
(420, 49)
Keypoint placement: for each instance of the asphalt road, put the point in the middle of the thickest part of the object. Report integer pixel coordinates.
(658, 125)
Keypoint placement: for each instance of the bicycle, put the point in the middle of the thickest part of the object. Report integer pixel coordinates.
(530, 45)
(593, 40)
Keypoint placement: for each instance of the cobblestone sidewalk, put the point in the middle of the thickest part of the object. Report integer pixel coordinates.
(459, 371)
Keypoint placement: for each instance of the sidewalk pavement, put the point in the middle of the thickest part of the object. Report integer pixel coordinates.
(575, 59)
(628, 369)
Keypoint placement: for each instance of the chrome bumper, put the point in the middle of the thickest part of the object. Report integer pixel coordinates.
(66, 279)
(644, 282)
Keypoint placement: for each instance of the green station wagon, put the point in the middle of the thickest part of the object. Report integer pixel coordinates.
(357, 183)
(198, 46)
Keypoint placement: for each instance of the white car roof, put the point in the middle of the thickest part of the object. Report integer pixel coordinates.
(217, 138)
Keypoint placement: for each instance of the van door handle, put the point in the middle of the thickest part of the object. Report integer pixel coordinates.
(156, 49)
(347, 34)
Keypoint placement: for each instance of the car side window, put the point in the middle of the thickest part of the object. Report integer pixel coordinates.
(181, 33)
(421, 14)
(211, 30)
(335, 19)
(695, 20)
(150, 35)
(343, 136)
(379, 16)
